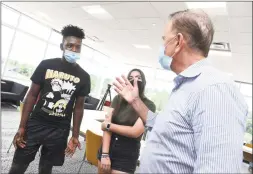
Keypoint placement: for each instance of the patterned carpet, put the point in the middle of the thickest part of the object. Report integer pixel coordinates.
(10, 120)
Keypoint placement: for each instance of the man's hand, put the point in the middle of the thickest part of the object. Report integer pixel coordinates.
(72, 145)
(106, 164)
(126, 90)
(18, 140)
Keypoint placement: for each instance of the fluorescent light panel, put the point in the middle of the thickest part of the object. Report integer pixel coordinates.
(97, 11)
(203, 5)
(141, 46)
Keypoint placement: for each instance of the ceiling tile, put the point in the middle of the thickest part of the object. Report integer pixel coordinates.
(131, 24)
(221, 23)
(241, 38)
(140, 33)
(152, 22)
(241, 49)
(239, 9)
(113, 24)
(240, 24)
(130, 10)
(166, 8)
(221, 37)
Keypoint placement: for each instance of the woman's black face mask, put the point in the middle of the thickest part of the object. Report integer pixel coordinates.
(140, 86)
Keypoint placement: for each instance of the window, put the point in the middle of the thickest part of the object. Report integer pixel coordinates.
(105, 85)
(55, 38)
(86, 54)
(94, 69)
(33, 27)
(238, 85)
(246, 89)
(9, 16)
(95, 83)
(165, 75)
(27, 52)
(248, 134)
(7, 37)
(160, 93)
(100, 58)
(53, 52)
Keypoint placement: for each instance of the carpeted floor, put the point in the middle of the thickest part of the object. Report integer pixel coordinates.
(10, 120)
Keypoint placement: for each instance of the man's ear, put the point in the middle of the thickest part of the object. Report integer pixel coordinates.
(61, 46)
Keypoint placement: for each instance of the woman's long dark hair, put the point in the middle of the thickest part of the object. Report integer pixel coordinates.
(122, 102)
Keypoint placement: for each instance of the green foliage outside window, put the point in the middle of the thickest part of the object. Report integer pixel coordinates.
(248, 134)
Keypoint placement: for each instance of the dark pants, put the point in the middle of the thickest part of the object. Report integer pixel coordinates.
(53, 142)
(124, 153)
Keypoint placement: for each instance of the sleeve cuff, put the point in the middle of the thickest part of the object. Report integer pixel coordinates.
(151, 117)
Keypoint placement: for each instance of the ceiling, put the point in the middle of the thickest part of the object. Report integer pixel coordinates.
(143, 23)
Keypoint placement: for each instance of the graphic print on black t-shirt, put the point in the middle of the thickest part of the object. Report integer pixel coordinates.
(60, 84)
(63, 86)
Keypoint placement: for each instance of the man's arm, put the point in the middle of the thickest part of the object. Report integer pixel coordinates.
(78, 116)
(147, 116)
(29, 102)
(79, 107)
(218, 124)
(33, 92)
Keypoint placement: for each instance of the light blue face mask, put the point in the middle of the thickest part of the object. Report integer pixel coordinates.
(71, 56)
(165, 60)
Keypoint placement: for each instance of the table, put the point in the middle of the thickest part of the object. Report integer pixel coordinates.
(94, 115)
(92, 125)
(247, 154)
(91, 121)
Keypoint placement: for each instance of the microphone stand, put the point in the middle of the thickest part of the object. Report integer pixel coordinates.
(101, 104)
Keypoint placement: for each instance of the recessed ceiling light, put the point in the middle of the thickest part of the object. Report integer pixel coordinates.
(97, 11)
(154, 24)
(94, 9)
(206, 4)
(141, 46)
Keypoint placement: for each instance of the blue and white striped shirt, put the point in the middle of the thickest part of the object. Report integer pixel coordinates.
(201, 128)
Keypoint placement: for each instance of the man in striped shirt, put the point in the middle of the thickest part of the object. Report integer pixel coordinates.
(201, 128)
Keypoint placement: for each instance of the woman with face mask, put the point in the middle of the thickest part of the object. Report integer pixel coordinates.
(123, 132)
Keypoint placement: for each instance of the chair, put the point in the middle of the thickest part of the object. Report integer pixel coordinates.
(90, 103)
(12, 92)
(93, 143)
(20, 109)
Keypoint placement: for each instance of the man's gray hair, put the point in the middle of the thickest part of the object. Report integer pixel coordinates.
(196, 27)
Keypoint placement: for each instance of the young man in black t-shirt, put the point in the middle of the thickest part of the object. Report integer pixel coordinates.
(59, 86)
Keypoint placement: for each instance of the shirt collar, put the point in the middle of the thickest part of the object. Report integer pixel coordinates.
(195, 69)
(191, 72)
